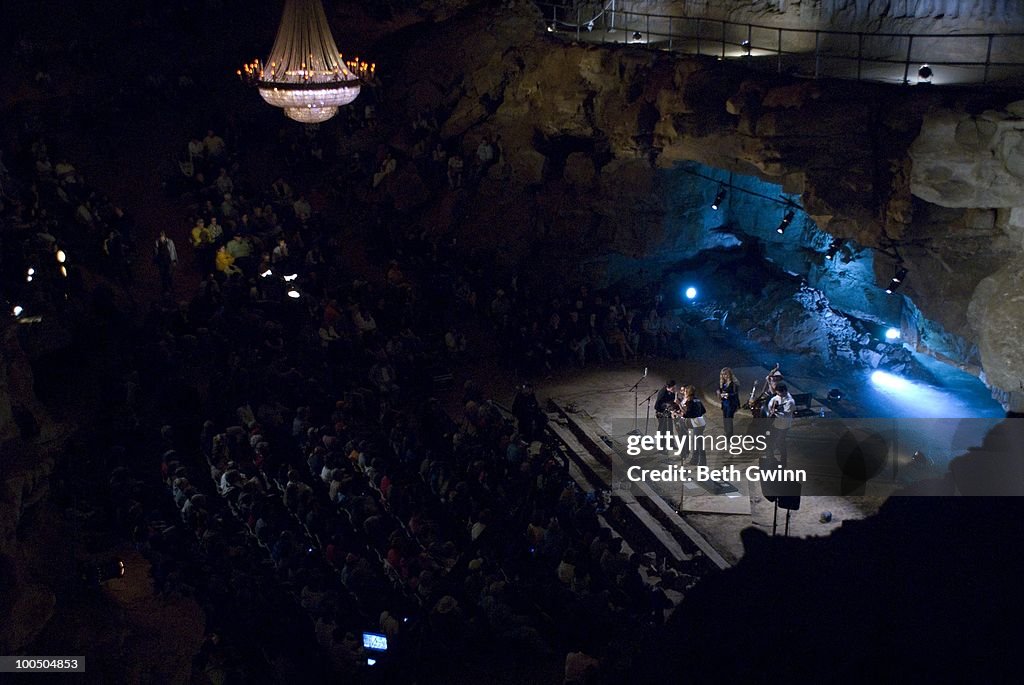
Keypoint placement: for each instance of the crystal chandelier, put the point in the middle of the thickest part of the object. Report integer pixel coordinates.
(305, 74)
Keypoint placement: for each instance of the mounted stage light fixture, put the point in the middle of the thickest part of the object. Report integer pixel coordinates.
(924, 74)
(726, 186)
(897, 279)
(834, 248)
(746, 46)
(786, 221)
(719, 197)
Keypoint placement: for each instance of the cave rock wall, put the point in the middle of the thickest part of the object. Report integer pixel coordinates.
(591, 135)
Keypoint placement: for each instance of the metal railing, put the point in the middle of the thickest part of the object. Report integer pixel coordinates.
(965, 58)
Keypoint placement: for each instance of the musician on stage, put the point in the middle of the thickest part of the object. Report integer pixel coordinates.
(664, 405)
(759, 406)
(780, 409)
(729, 393)
(692, 421)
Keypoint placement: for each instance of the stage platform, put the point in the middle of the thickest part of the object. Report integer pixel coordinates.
(596, 408)
(595, 454)
(712, 497)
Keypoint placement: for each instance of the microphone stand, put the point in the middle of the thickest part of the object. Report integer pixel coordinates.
(636, 405)
(647, 421)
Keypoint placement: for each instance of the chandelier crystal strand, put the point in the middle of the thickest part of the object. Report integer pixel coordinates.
(305, 74)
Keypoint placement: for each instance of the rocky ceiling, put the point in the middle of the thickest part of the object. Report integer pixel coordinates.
(927, 175)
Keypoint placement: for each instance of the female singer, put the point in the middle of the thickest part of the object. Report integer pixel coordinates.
(693, 419)
(729, 392)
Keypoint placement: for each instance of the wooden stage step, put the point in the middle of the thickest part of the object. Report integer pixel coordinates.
(595, 458)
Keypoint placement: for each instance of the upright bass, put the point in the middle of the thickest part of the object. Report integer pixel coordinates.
(758, 401)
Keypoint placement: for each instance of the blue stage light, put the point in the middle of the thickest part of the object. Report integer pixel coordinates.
(719, 196)
(887, 381)
(691, 293)
(892, 334)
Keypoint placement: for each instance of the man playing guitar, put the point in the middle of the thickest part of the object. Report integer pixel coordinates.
(665, 405)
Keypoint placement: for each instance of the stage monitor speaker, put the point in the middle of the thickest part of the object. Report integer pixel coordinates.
(790, 502)
(776, 491)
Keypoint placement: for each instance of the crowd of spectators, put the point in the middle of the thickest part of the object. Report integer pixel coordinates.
(327, 483)
(374, 505)
(51, 218)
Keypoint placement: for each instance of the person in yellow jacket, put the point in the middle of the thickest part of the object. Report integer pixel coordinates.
(226, 263)
(201, 234)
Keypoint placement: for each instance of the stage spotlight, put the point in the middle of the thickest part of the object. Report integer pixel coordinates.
(887, 381)
(835, 394)
(61, 257)
(719, 196)
(786, 221)
(924, 74)
(31, 271)
(17, 310)
(892, 334)
(897, 280)
(746, 46)
(551, 28)
(638, 36)
(691, 293)
(64, 271)
(267, 274)
(294, 294)
(590, 26)
(834, 248)
(291, 277)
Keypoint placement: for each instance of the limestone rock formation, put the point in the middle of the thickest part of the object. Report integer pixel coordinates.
(964, 160)
(997, 314)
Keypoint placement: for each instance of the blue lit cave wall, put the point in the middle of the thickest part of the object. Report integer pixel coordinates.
(779, 289)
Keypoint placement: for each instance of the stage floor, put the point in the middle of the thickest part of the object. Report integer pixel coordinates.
(603, 395)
